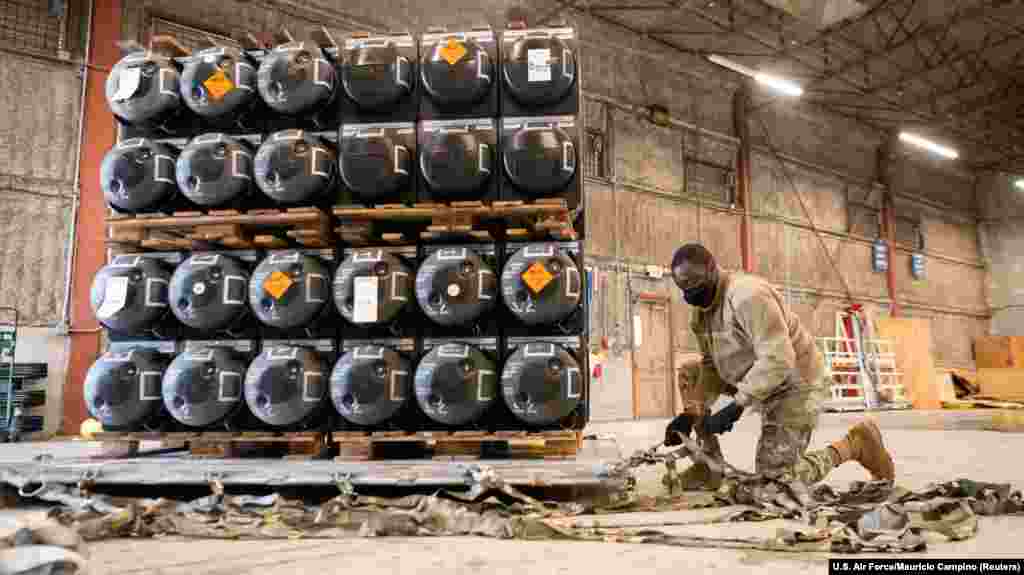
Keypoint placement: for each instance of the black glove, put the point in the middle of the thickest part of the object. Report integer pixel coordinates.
(681, 424)
(722, 420)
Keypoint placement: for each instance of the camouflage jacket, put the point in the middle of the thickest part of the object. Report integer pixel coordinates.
(751, 342)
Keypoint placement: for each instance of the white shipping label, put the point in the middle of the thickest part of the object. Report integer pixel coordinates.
(127, 83)
(115, 295)
(365, 299)
(638, 331)
(538, 62)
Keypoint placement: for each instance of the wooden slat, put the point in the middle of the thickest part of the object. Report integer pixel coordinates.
(308, 227)
(459, 444)
(913, 356)
(999, 351)
(1003, 384)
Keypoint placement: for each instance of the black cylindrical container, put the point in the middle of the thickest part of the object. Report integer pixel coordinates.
(372, 287)
(129, 295)
(215, 170)
(539, 71)
(286, 386)
(122, 389)
(541, 383)
(540, 285)
(219, 83)
(455, 384)
(137, 175)
(294, 167)
(370, 384)
(460, 81)
(143, 88)
(295, 79)
(455, 286)
(289, 289)
(208, 291)
(376, 77)
(202, 389)
(540, 161)
(374, 167)
(456, 164)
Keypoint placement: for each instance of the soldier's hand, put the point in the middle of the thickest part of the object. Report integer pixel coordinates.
(723, 419)
(682, 424)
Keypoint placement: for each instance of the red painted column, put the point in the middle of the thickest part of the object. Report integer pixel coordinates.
(99, 134)
(743, 175)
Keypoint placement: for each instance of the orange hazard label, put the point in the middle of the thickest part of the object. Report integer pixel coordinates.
(537, 277)
(453, 51)
(276, 284)
(218, 85)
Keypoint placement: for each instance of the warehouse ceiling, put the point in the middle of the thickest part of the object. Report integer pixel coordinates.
(949, 70)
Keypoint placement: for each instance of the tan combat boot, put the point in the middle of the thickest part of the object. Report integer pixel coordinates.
(863, 444)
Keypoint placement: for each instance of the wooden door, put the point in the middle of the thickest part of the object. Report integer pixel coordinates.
(652, 364)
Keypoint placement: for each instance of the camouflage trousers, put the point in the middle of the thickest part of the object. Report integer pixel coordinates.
(787, 424)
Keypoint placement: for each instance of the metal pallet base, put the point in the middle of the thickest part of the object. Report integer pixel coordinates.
(277, 473)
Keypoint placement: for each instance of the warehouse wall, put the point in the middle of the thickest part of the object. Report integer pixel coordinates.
(39, 108)
(1003, 212)
(660, 187)
(650, 188)
(37, 151)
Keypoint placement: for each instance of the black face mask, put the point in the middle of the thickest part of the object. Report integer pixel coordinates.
(700, 296)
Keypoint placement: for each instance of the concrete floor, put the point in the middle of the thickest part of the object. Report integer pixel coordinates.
(927, 447)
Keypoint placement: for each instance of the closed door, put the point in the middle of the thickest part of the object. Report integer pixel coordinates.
(652, 393)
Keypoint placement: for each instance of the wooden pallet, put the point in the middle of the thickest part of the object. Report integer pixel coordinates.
(362, 446)
(296, 445)
(394, 223)
(980, 403)
(127, 444)
(270, 229)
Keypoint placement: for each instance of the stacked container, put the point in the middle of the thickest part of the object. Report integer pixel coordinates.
(421, 335)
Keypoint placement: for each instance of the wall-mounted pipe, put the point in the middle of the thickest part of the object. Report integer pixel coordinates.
(69, 256)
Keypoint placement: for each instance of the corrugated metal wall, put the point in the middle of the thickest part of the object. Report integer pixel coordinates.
(38, 117)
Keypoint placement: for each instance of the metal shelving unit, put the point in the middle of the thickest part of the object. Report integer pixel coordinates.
(9, 404)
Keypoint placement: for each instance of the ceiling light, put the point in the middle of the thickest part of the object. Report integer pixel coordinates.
(780, 85)
(774, 82)
(1019, 184)
(929, 145)
(734, 66)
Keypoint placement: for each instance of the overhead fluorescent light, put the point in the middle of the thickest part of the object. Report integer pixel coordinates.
(780, 85)
(774, 82)
(1019, 184)
(929, 145)
(734, 66)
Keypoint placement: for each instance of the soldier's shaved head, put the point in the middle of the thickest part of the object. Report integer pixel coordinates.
(694, 271)
(695, 254)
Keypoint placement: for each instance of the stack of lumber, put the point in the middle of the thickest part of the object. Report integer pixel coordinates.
(1000, 378)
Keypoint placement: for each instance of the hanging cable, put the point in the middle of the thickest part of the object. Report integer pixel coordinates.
(803, 206)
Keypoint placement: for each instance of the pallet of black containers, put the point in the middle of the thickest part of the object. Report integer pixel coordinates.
(444, 224)
(156, 310)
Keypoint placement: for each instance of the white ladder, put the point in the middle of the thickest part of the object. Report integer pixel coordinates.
(850, 369)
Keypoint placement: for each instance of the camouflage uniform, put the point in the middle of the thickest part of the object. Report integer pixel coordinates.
(755, 349)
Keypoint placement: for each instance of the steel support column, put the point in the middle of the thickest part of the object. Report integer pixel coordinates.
(99, 134)
(741, 101)
(884, 163)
